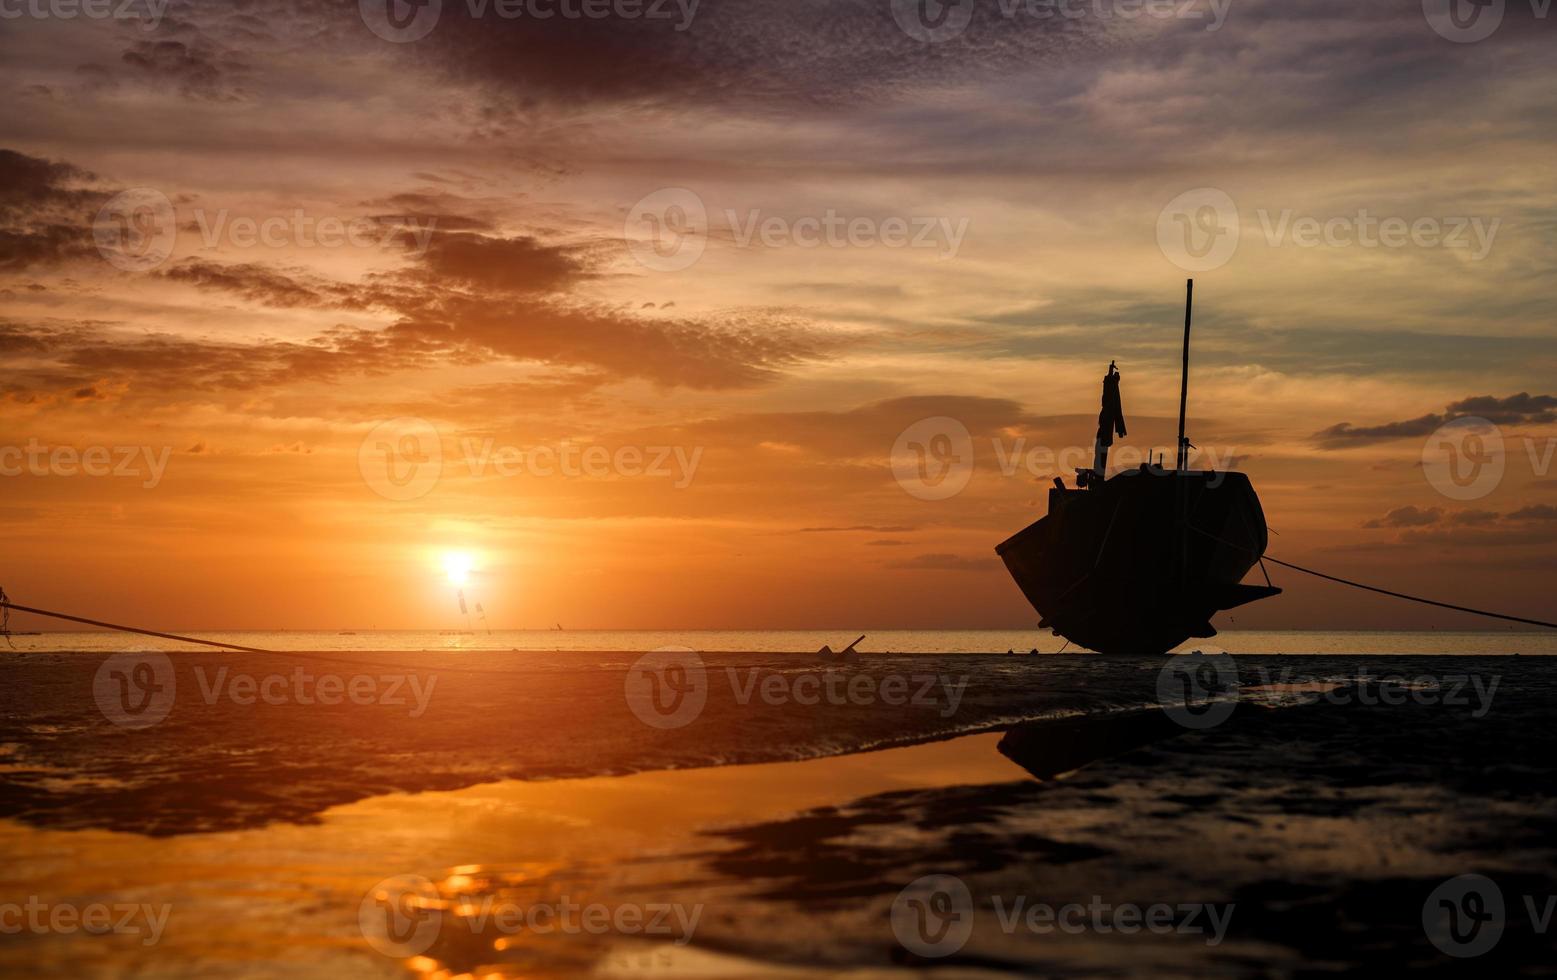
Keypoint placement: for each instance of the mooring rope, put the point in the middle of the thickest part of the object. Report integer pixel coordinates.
(7, 605)
(1374, 588)
(1410, 598)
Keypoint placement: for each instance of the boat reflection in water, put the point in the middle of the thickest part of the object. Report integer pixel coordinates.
(1140, 562)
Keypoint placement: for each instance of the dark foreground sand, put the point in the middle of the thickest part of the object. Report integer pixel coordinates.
(1291, 842)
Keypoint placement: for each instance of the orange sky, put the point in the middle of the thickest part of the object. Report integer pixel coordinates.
(239, 243)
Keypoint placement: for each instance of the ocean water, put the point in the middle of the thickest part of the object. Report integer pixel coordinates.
(241, 739)
(1363, 643)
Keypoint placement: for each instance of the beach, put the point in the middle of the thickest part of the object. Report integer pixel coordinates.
(1062, 818)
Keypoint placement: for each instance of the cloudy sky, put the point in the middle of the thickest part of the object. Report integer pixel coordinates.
(637, 303)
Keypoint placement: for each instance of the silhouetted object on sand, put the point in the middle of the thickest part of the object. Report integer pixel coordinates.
(847, 653)
(1139, 563)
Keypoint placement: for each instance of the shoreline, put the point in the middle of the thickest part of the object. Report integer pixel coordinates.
(1318, 831)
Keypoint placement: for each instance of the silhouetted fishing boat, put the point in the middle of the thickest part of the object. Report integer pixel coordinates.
(1139, 563)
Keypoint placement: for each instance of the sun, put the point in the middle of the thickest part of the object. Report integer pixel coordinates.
(458, 565)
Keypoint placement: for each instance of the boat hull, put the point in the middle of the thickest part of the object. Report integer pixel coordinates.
(1140, 563)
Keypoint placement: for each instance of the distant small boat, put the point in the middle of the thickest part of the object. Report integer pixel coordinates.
(1139, 563)
(346, 633)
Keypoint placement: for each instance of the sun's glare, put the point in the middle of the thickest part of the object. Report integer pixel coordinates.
(457, 565)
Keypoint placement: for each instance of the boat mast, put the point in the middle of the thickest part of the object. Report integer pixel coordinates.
(1183, 455)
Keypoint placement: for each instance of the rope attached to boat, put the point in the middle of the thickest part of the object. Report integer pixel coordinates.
(1410, 598)
(6, 605)
(1373, 588)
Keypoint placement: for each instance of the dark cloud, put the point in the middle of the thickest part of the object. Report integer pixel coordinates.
(197, 69)
(464, 293)
(1520, 409)
(1344, 434)
(1535, 512)
(262, 284)
(1473, 518)
(1407, 516)
(45, 211)
(802, 53)
(67, 361)
(1415, 517)
(521, 264)
(470, 297)
(1523, 408)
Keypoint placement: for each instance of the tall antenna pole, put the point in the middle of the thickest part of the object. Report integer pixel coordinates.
(1189, 299)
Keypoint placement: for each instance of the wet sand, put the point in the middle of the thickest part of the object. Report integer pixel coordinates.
(1319, 832)
(284, 900)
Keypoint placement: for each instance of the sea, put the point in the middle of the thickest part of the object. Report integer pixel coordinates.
(1294, 642)
(131, 733)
